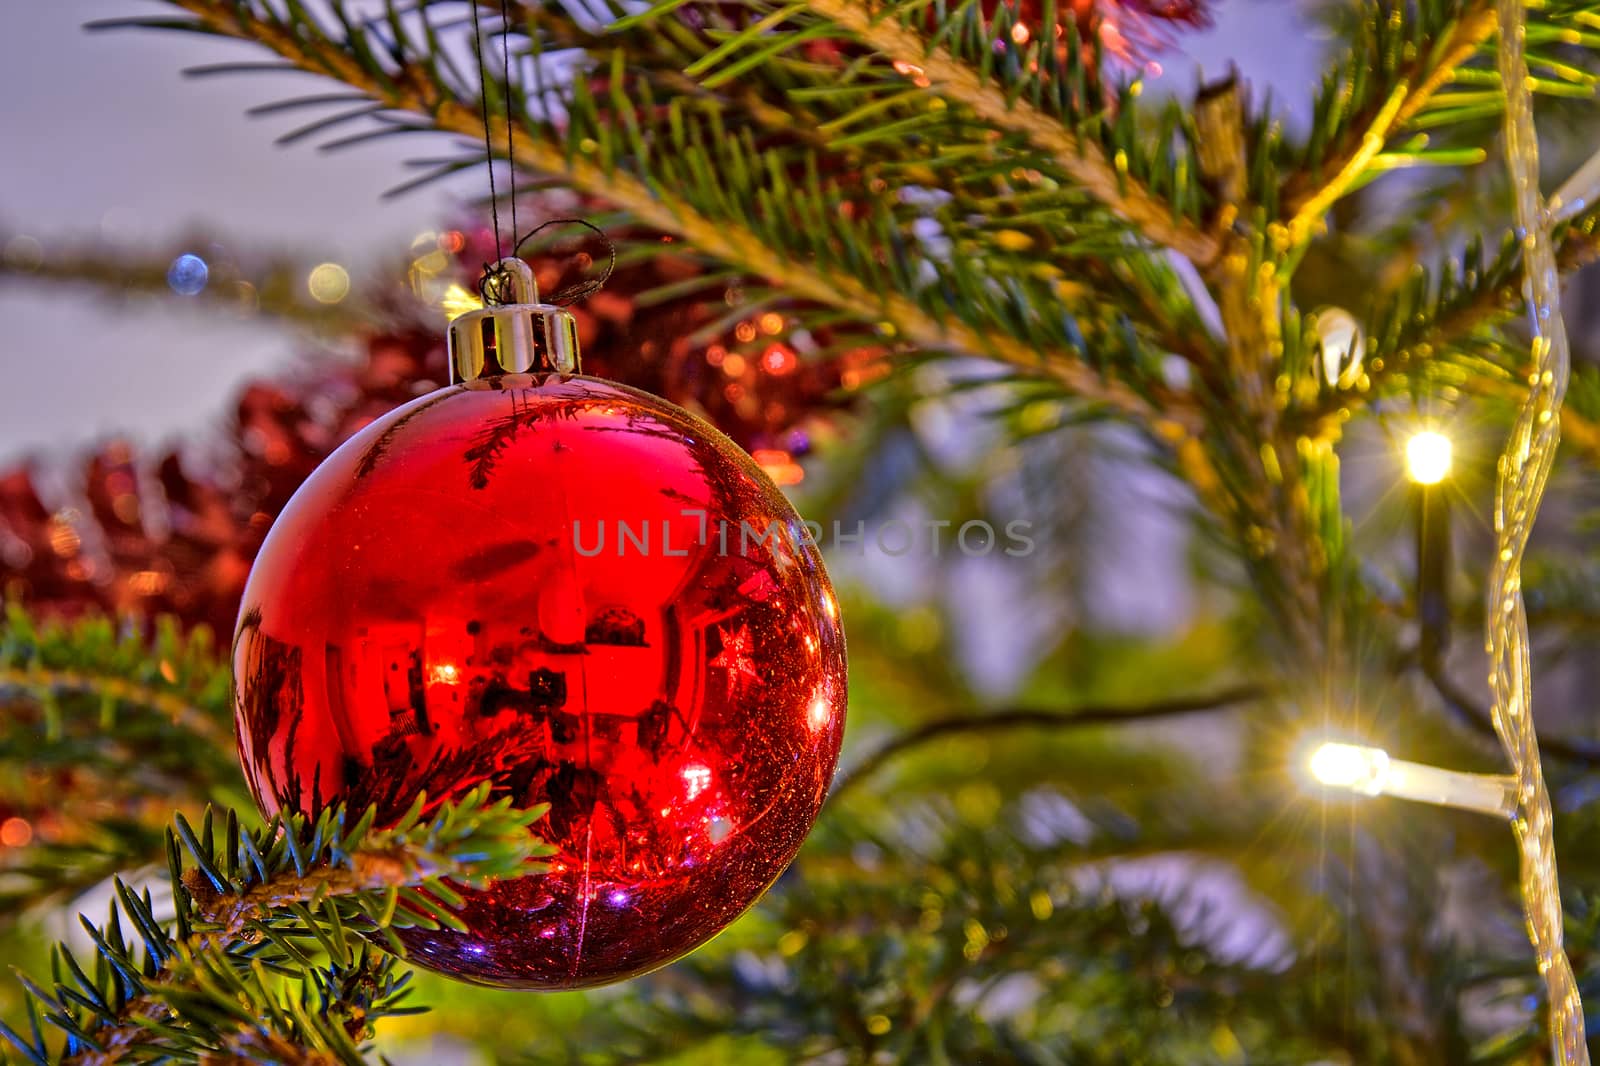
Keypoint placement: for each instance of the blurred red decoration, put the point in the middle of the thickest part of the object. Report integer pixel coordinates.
(584, 596)
(147, 534)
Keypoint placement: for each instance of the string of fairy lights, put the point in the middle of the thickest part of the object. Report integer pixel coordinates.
(1521, 796)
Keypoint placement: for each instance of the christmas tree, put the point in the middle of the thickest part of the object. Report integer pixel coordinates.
(1168, 453)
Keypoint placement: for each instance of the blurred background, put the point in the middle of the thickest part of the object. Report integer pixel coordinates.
(195, 314)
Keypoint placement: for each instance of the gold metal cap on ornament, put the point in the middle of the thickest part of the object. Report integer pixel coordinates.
(513, 333)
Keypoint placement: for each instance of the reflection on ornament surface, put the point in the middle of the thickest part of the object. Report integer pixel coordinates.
(420, 617)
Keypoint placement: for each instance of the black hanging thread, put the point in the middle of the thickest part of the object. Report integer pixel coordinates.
(505, 75)
(491, 285)
(573, 293)
(488, 144)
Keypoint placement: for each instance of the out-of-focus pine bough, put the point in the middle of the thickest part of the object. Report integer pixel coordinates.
(892, 184)
(105, 731)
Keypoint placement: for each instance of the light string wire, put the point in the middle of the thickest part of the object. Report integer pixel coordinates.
(1524, 470)
(483, 103)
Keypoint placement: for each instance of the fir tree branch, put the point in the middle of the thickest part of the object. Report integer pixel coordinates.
(1264, 496)
(408, 86)
(227, 916)
(39, 683)
(1403, 341)
(1308, 215)
(918, 954)
(67, 689)
(747, 251)
(115, 719)
(560, 29)
(1082, 160)
(1123, 282)
(1476, 25)
(1036, 718)
(272, 901)
(1306, 196)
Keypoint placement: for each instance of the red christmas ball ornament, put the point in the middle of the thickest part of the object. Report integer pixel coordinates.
(578, 593)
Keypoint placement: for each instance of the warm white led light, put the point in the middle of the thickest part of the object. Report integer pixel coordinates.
(1350, 766)
(1428, 457)
(1371, 772)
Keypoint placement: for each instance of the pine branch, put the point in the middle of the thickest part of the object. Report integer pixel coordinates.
(1442, 313)
(1414, 76)
(1008, 195)
(50, 685)
(121, 723)
(74, 682)
(1007, 108)
(285, 900)
(418, 88)
(975, 941)
(1346, 154)
(547, 21)
(1287, 534)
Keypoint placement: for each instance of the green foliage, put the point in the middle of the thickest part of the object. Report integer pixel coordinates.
(268, 954)
(961, 942)
(104, 728)
(156, 670)
(1421, 77)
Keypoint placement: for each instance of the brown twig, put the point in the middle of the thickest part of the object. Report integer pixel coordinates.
(269, 290)
(1032, 718)
(1477, 718)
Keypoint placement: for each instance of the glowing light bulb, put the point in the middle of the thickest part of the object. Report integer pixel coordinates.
(1428, 457)
(444, 674)
(1371, 772)
(1351, 766)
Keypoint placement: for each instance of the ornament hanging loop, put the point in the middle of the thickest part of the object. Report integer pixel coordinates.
(573, 293)
(510, 281)
(513, 333)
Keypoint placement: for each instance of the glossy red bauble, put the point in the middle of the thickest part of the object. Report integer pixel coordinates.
(585, 596)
